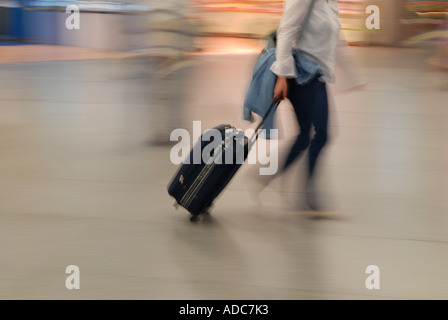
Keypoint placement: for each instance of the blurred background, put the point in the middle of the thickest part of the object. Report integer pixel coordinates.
(85, 121)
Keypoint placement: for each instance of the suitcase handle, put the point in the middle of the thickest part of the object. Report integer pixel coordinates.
(273, 105)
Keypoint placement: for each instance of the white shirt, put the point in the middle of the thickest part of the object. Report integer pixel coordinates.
(319, 39)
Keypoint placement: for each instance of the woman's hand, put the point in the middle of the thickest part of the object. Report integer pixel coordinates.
(281, 88)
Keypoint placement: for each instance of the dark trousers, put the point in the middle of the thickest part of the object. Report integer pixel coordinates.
(310, 104)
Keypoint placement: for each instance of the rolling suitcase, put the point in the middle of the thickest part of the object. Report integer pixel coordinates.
(196, 184)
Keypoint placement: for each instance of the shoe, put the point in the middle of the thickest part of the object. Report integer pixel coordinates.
(311, 201)
(322, 214)
(159, 143)
(316, 210)
(311, 197)
(256, 183)
(313, 205)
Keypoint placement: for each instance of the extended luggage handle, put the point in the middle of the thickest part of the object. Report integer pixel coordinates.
(273, 105)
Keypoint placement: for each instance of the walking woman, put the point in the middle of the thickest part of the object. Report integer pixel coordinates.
(318, 42)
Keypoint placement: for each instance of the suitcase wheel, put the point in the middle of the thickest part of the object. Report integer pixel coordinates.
(196, 217)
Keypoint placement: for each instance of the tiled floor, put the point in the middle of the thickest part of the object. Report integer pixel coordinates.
(80, 186)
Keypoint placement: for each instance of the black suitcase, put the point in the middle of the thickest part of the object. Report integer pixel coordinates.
(195, 186)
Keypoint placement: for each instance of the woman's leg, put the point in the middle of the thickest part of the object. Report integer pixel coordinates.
(302, 100)
(320, 123)
(310, 103)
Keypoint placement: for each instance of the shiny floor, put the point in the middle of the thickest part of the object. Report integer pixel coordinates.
(80, 185)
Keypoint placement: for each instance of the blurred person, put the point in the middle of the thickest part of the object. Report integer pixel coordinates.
(438, 12)
(319, 43)
(440, 57)
(173, 36)
(165, 36)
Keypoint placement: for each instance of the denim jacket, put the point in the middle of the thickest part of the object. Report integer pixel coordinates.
(260, 93)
